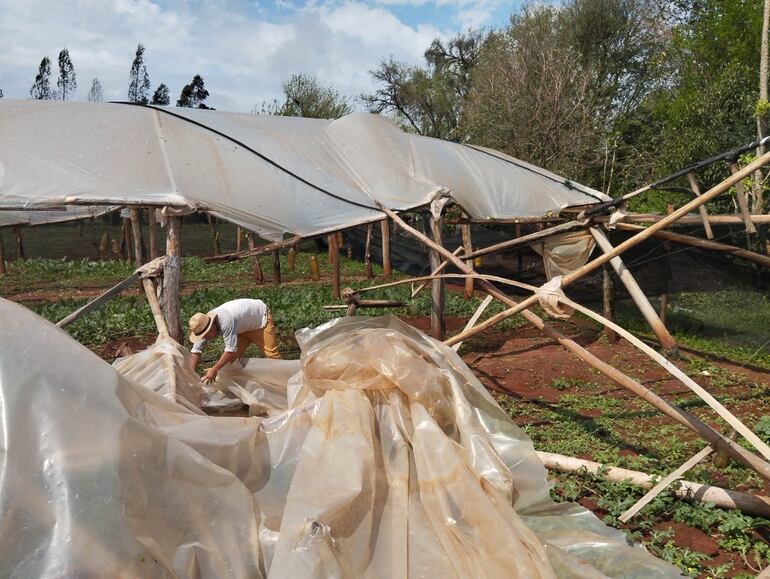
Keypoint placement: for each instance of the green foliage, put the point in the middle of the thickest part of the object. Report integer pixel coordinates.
(67, 81)
(762, 428)
(306, 97)
(41, 88)
(161, 96)
(193, 95)
(139, 85)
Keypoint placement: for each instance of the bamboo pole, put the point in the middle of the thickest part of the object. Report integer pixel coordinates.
(711, 436)
(385, 232)
(743, 204)
(19, 243)
(152, 231)
(259, 277)
(701, 208)
(758, 258)
(334, 255)
(276, 267)
(172, 277)
(664, 483)
(665, 339)
(474, 318)
(608, 302)
(368, 252)
(100, 300)
(136, 228)
(690, 491)
(438, 285)
(465, 229)
(3, 270)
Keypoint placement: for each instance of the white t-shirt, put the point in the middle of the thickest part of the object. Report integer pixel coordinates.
(236, 317)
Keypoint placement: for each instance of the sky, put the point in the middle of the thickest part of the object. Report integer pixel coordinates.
(244, 49)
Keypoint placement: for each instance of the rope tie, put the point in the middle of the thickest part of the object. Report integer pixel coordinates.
(549, 295)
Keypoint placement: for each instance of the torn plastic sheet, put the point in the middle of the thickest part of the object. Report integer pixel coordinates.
(386, 458)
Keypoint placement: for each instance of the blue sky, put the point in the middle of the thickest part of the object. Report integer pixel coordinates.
(244, 49)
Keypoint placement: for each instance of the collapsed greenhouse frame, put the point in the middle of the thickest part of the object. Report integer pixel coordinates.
(592, 218)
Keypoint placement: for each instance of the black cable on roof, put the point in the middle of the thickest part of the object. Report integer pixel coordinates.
(257, 153)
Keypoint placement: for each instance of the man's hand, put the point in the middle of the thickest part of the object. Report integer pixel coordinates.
(209, 376)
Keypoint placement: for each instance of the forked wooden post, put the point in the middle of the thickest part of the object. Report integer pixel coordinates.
(368, 252)
(665, 339)
(172, 273)
(334, 255)
(259, 277)
(136, 229)
(385, 231)
(276, 267)
(465, 229)
(152, 229)
(701, 209)
(438, 285)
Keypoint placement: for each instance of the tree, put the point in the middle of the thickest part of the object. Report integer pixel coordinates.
(41, 88)
(429, 100)
(194, 94)
(95, 94)
(161, 95)
(306, 97)
(139, 85)
(1, 93)
(67, 81)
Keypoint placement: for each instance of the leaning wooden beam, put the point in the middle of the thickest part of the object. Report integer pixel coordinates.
(435, 272)
(152, 299)
(172, 274)
(665, 339)
(474, 318)
(525, 239)
(664, 484)
(758, 258)
(367, 304)
(259, 250)
(702, 208)
(130, 281)
(711, 436)
(687, 220)
(690, 491)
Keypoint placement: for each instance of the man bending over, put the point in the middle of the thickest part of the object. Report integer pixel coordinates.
(241, 322)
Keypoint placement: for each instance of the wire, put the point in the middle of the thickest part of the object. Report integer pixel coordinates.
(637, 263)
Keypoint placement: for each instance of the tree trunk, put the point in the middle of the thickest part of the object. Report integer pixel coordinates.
(172, 277)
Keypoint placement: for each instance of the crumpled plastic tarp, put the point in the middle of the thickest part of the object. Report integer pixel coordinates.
(386, 458)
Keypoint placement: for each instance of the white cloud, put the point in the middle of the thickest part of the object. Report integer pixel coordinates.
(243, 51)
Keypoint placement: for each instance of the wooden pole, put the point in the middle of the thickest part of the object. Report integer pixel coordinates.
(276, 267)
(465, 229)
(172, 273)
(19, 243)
(758, 258)
(524, 239)
(436, 271)
(664, 296)
(259, 277)
(152, 299)
(438, 285)
(237, 239)
(711, 436)
(475, 318)
(519, 258)
(385, 231)
(334, 254)
(291, 259)
(100, 300)
(665, 339)
(701, 208)
(256, 250)
(690, 491)
(3, 270)
(743, 204)
(315, 272)
(214, 239)
(368, 252)
(136, 228)
(608, 300)
(152, 220)
(126, 241)
(687, 220)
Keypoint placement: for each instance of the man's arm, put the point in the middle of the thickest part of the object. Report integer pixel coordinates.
(224, 360)
(195, 359)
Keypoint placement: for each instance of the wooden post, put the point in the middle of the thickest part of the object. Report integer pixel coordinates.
(291, 259)
(315, 272)
(125, 244)
(519, 258)
(172, 273)
(665, 339)
(465, 229)
(19, 243)
(702, 208)
(3, 271)
(276, 267)
(609, 303)
(385, 231)
(214, 240)
(438, 286)
(237, 239)
(368, 252)
(664, 296)
(152, 220)
(136, 228)
(256, 267)
(743, 204)
(334, 254)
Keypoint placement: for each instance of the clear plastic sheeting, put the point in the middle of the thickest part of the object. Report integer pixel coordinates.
(70, 213)
(270, 174)
(387, 458)
(563, 253)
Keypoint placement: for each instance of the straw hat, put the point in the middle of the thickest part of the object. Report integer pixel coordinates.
(200, 323)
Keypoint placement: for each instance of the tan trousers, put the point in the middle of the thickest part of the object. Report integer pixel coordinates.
(264, 339)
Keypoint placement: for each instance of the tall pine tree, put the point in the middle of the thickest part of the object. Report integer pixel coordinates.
(194, 94)
(161, 96)
(139, 87)
(67, 81)
(41, 88)
(95, 94)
